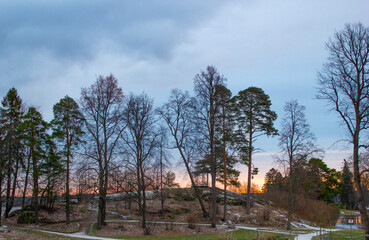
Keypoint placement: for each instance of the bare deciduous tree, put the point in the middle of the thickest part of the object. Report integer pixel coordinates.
(205, 85)
(296, 142)
(102, 106)
(177, 114)
(344, 84)
(140, 141)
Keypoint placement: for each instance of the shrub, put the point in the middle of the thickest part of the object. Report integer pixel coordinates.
(316, 211)
(183, 194)
(191, 222)
(26, 217)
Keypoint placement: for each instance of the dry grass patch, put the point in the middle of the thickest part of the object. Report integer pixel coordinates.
(157, 230)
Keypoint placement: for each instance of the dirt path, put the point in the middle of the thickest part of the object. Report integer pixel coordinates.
(86, 223)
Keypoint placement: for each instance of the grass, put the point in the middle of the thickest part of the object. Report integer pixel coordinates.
(240, 234)
(63, 228)
(343, 235)
(345, 211)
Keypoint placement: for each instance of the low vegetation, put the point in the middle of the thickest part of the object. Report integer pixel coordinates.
(314, 211)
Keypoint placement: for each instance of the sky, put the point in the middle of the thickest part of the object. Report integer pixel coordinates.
(50, 49)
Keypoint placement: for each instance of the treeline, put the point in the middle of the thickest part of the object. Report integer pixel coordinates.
(119, 142)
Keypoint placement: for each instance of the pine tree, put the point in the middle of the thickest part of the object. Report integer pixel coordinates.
(12, 113)
(347, 190)
(34, 128)
(254, 118)
(67, 129)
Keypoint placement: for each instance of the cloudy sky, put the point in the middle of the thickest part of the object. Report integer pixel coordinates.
(49, 49)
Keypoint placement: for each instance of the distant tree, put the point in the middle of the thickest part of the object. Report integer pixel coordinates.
(3, 166)
(223, 140)
(12, 113)
(344, 84)
(228, 174)
(327, 179)
(169, 180)
(347, 191)
(67, 129)
(141, 141)
(162, 160)
(102, 105)
(206, 109)
(177, 114)
(53, 169)
(34, 128)
(297, 142)
(253, 118)
(273, 180)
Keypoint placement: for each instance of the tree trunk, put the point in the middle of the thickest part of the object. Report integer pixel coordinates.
(1, 203)
(67, 197)
(213, 165)
(35, 191)
(360, 192)
(8, 190)
(289, 196)
(225, 164)
(161, 184)
(205, 214)
(100, 221)
(11, 203)
(105, 194)
(146, 231)
(25, 183)
(248, 204)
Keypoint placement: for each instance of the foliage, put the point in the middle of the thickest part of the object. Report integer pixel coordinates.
(12, 145)
(26, 217)
(273, 180)
(181, 194)
(206, 108)
(253, 118)
(312, 210)
(347, 190)
(326, 181)
(313, 179)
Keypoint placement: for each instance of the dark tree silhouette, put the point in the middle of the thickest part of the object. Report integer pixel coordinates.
(344, 84)
(140, 140)
(206, 109)
(102, 105)
(177, 114)
(296, 142)
(12, 113)
(253, 118)
(67, 129)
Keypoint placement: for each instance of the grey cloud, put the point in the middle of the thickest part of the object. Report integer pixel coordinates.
(74, 29)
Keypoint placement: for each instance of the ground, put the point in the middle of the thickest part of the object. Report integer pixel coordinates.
(182, 218)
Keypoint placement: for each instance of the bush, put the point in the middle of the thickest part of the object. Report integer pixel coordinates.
(183, 194)
(316, 211)
(191, 222)
(26, 217)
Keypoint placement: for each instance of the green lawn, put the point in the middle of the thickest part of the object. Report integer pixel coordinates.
(345, 211)
(344, 235)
